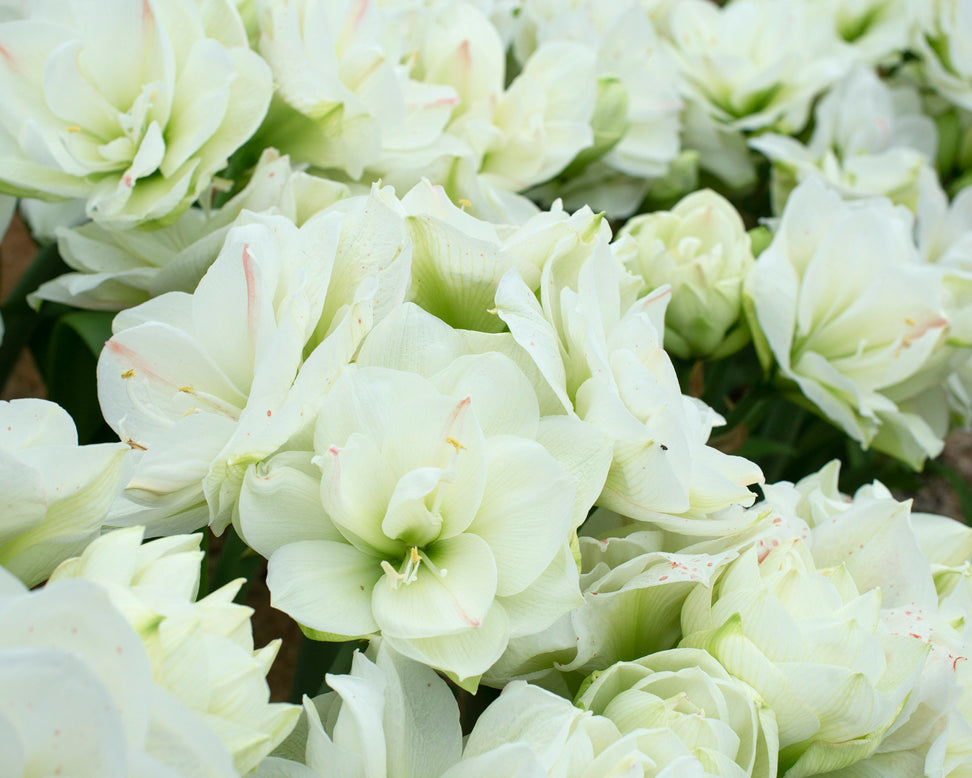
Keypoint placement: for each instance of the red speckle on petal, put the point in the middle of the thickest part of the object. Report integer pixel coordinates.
(269, 413)
(333, 451)
(127, 181)
(118, 650)
(663, 578)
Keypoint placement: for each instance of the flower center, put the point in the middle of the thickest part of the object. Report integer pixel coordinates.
(408, 572)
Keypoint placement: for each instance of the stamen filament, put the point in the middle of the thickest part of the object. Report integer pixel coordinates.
(410, 568)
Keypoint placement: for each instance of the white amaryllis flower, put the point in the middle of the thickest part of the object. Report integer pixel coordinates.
(756, 63)
(810, 645)
(634, 588)
(345, 99)
(600, 352)
(118, 269)
(868, 139)
(871, 534)
(432, 513)
(851, 316)
(389, 716)
(207, 383)
(531, 733)
(944, 45)
(459, 260)
(877, 31)
(748, 65)
(944, 238)
(628, 50)
(883, 546)
(530, 131)
(77, 696)
(56, 494)
(718, 718)
(702, 250)
(201, 650)
(131, 105)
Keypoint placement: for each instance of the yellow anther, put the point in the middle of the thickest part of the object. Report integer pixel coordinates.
(455, 444)
(414, 555)
(132, 444)
(191, 411)
(73, 128)
(464, 203)
(222, 184)
(186, 389)
(909, 321)
(130, 373)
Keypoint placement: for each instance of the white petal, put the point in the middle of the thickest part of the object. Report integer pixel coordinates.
(526, 512)
(454, 599)
(325, 586)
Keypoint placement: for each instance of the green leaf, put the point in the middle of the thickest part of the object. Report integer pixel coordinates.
(235, 560)
(67, 350)
(20, 321)
(93, 328)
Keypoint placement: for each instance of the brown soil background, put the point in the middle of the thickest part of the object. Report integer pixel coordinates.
(16, 252)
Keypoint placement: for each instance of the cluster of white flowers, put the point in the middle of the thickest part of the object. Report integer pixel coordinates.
(372, 316)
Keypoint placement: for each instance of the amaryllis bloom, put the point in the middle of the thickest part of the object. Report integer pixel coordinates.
(130, 105)
(745, 66)
(116, 269)
(388, 716)
(719, 719)
(56, 494)
(756, 63)
(702, 250)
(848, 312)
(633, 591)
(77, 695)
(344, 97)
(201, 650)
(811, 645)
(643, 138)
(205, 384)
(868, 139)
(531, 733)
(599, 350)
(430, 511)
(877, 31)
(944, 45)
